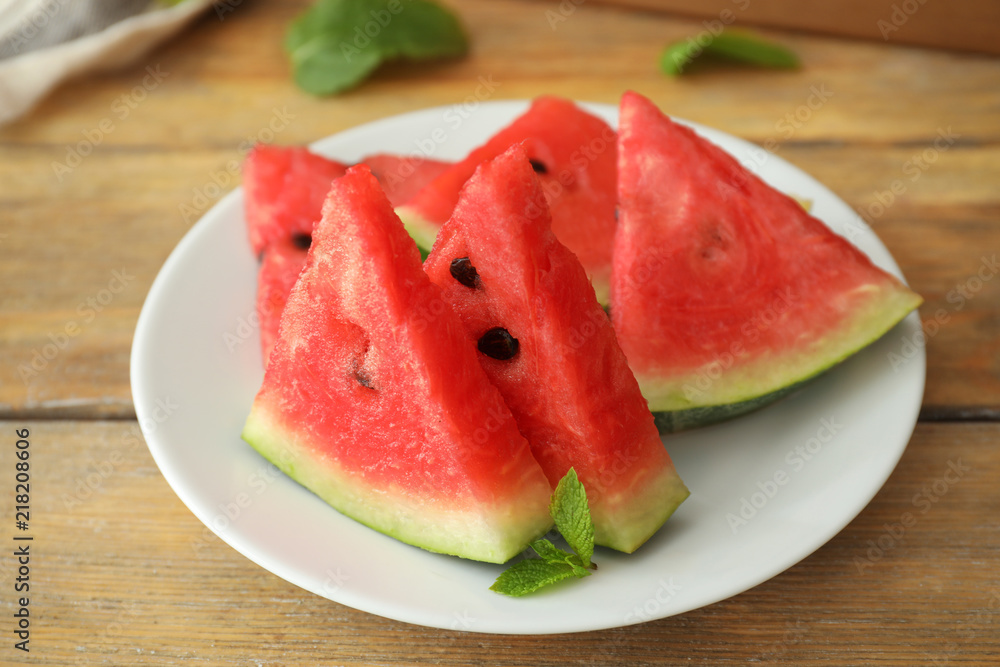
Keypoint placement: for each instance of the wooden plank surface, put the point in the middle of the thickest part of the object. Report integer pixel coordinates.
(168, 154)
(124, 574)
(102, 180)
(969, 25)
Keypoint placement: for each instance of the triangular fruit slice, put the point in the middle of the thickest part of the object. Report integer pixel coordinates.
(573, 153)
(403, 176)
(284, 188)
(545, 341)
(284, 192)
(726, 293)
(280, 265)
(374, 399)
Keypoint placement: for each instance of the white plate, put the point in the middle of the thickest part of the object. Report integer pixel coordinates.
(196, 367)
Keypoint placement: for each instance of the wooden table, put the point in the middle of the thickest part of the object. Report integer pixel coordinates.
(114, 580)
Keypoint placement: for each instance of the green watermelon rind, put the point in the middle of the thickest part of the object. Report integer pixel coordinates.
(650, 503)
(393, 512)
(674, 421)
(420, 229)
(679, 403)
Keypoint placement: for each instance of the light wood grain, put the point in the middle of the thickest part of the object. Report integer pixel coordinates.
(146, 181)
(125, 574)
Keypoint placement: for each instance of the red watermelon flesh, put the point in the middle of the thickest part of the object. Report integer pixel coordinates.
(284, 193)
(284, 189)
(567, 383)
(403, 176)
(281, 263)
(574, 155)
(375, 401)
(724, 290)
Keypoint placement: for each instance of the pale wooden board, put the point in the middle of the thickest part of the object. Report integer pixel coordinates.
(124, 574)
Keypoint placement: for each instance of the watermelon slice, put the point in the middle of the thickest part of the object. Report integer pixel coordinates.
(284, 189)
(726, 294)
(374, 399)
(547, 344)
(280, 266)
(284, 192)
(574, 155)
(403, 176)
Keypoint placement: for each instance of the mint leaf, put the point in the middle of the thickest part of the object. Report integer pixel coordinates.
(337, 44)
(572, 516)
(549, 552)
(527, 576)
(735, 45)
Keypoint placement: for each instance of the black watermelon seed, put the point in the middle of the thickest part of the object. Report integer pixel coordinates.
(302, 241)
(464, 272)
(539, 167)
(363, 379)
(616, 214)
(497, 343)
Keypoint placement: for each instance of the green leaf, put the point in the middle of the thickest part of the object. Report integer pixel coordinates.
(572, 516)
(549, 552)
(735, 45)
(337, 44)
(527, 576)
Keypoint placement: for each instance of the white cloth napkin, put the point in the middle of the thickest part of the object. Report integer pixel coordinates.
(44, 42)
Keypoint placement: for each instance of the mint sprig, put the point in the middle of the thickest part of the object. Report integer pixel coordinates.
(571, 514)
(734, 45)
(337, 44)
